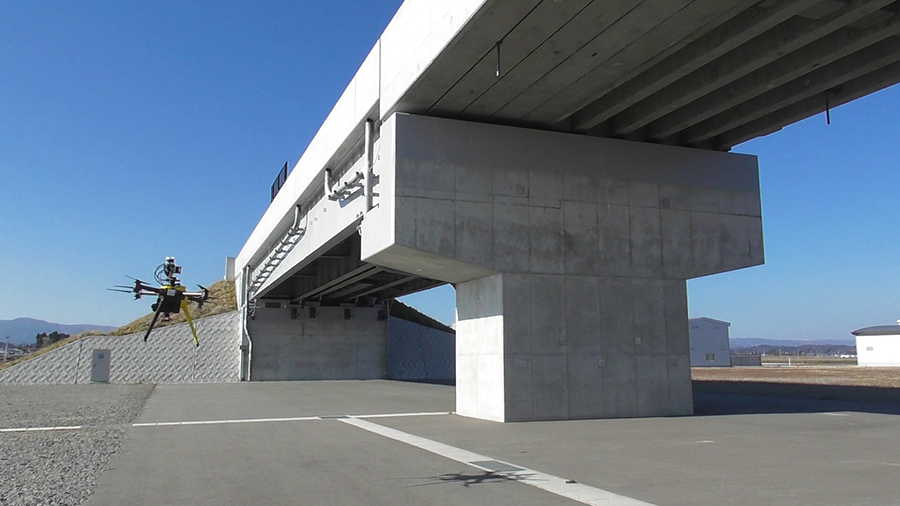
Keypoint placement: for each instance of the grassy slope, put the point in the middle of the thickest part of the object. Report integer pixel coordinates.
(222, 300)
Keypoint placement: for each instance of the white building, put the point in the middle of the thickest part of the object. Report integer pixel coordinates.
(709, 343)
(878, 346)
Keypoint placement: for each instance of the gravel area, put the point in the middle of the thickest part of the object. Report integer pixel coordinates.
(62, 467)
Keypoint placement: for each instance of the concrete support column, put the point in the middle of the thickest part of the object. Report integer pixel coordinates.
(569, 254)
(554, 347)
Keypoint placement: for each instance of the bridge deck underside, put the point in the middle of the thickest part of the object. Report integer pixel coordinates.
(701, 73)
(339, 277)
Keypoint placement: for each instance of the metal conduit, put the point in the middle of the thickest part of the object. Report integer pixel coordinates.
(245, 316)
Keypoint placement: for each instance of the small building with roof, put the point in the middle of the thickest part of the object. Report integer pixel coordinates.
(710, 345)
(878, 346)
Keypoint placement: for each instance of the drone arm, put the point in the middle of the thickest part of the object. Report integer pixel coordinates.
(190, 320)
(153, 321)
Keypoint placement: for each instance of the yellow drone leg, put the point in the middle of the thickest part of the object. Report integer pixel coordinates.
(190, 320)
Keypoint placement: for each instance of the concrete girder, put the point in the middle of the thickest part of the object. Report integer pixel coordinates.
(818, 81)
(681, 29)
(741, 28)
(386, 286)
(641, 18)
(831, 48)
(342, 281)
(546, 58)
(493, 20)
(783, 39)
(838, 95)
(526, 37)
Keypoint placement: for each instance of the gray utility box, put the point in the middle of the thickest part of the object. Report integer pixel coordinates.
(100, 366)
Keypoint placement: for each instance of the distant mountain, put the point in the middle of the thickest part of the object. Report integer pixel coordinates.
(23, 330)
(744, 342)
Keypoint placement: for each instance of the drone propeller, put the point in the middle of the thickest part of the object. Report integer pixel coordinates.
(119, 290)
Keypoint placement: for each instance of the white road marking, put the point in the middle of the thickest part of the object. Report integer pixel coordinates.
(835, 414)
(576, 491)
(705, 441)
(289, 419)
(395, 415)
(221, 422)
(41, 429)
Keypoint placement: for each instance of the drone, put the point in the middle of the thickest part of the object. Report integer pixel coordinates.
(171, 296)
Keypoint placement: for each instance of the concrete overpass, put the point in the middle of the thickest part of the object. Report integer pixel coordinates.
(564, 163)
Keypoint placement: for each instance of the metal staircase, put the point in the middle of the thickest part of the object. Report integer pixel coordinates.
(277, 254)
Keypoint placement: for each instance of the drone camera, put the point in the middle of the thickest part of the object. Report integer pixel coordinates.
(170, 267)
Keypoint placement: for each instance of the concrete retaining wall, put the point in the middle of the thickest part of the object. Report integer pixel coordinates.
(324, 347)
(419, 353)
(169, 356)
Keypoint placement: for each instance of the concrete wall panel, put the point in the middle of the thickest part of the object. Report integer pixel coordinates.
(585, 381)
(614, 224)
(582, 315)
(677, 247)
(474, 232)
(548, 317)
(652, 387)
(517, 311)
(582, 239)
(436, 227)
(325, 347)
(674, 197)
(546, 240)
(619, 386)
(617, 316)
(549, 391)
(511, 238)
(646, 243)
(518, 392)
(649, 317)
(676, 318)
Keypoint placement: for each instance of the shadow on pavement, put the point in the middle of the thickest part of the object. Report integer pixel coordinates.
(747, 397)
(468, 480)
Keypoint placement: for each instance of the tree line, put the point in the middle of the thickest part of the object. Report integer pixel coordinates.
(45, 339)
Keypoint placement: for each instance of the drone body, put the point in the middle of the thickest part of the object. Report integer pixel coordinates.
(171, 296)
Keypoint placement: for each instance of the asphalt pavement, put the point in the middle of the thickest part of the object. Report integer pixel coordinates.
(383, 442)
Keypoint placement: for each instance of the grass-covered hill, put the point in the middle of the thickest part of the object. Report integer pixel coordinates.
(222, 299)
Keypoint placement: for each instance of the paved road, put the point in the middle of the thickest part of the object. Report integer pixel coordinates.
(771, 452)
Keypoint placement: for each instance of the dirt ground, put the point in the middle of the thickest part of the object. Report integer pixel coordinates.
(872, 385)
(888, 377)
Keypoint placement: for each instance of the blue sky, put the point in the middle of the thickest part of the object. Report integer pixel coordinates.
(132, 131)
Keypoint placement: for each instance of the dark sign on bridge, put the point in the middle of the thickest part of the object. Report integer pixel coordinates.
(280, 180)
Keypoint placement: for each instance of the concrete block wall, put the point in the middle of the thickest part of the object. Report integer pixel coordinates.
(327, 347)
(168, 356)
(419, 353)
(595, 237)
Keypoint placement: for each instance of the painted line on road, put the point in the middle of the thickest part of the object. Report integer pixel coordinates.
(222, 422)
(41, 429)
(235, 421)
(554, 484)
(834, 414)
(398, 415)
(288, 419)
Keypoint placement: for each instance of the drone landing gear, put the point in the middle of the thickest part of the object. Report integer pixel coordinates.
(153, 321)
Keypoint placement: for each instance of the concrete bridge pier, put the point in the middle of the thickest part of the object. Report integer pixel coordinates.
(569, 254)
